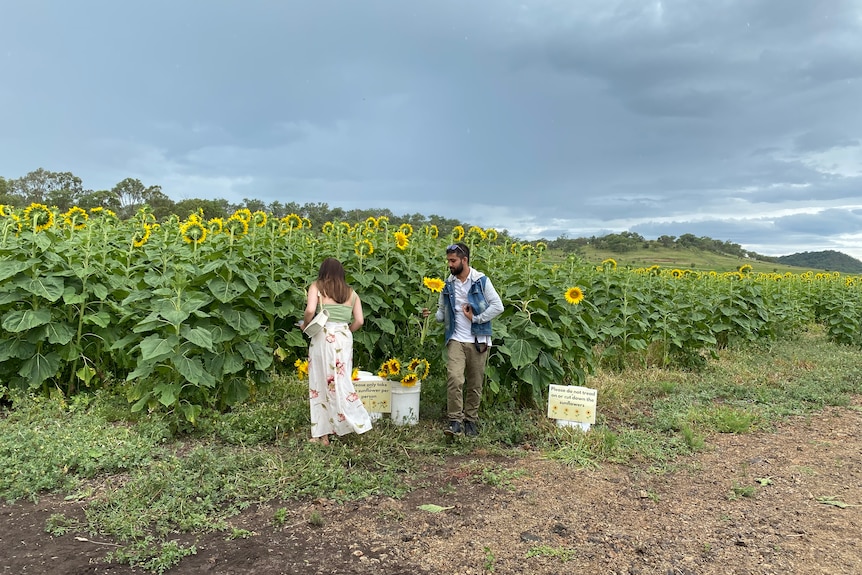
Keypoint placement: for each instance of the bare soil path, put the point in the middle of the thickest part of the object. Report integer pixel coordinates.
(748, 504)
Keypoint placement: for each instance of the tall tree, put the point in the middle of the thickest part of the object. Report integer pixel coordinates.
(279, 210)
(219, 208)
(6, 198)
(131, 194)
(254, 205)
(61, 189)
(98, 199)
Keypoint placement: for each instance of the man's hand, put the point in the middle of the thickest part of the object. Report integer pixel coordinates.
(468, 311)
(425, 312)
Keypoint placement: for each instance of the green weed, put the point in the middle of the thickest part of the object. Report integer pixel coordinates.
(564, 554)
(58, 524)
(315, 519)
(152, 555)
(738, 491)
(490, 560)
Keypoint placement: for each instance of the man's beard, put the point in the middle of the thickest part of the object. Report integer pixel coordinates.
(457, 271)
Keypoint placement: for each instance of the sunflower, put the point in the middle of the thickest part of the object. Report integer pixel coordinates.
(193, 232)
(491, 234)
(676, 273)
(458, 233)
(76, 218)
(432, 231)
(410, 380)
(354, 375)
(291, 222)
(401, 240)
(39, 216)
(244, 214)
(235, 226)
(215, 225)
(393, 366)
(371, 223)
(301, 368)
(541, 247)
(419, 367)
(327, 228)
(406, 229)
(745, 269)
(363, 248)
(476, 232)
(259, 219)
(574, 295)
(142, 236)
(5, 211)
(434, 284)
(609, 263)
(383, 222)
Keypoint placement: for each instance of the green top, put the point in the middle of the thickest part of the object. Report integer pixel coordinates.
(340, 312)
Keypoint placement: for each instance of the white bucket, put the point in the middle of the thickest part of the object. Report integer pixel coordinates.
(566, 423)
(405, 404)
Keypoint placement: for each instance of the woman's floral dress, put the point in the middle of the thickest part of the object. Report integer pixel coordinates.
(335, 405)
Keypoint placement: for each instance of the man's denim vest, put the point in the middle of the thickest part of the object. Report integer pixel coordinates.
(476, 299)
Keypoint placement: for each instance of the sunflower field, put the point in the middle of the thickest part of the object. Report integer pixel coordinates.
(191, 314)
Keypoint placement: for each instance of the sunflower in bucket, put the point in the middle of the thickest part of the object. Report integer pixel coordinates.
(410, 374)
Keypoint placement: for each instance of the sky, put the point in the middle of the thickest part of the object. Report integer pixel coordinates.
(739, 120)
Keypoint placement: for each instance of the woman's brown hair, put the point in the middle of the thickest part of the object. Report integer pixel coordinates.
(331, 282)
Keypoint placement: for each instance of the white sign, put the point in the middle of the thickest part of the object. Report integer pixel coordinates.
(375, 392)
(572, 403)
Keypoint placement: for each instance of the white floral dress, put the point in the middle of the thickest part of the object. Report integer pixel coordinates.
(335, 405)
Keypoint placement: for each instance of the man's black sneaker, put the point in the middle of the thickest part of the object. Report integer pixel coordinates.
(470, 429)
(453, 429)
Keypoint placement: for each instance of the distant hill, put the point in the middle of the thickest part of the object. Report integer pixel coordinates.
(829, 260)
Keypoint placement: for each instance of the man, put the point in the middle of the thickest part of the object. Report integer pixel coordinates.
(467, 305)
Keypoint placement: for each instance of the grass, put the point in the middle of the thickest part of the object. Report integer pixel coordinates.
(142, 485)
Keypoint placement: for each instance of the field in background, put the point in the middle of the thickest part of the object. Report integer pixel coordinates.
(682, 258)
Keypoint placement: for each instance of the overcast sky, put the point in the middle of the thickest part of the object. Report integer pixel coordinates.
(740, 120)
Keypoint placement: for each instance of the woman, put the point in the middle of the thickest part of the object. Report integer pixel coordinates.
(335, 406)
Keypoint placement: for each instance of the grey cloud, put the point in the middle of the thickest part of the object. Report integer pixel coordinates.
(824, 223)
(822, 140)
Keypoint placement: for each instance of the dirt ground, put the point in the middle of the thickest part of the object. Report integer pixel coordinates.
(748, 504)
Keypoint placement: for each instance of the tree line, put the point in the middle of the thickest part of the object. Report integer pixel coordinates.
(625, 242)
(64, 190)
